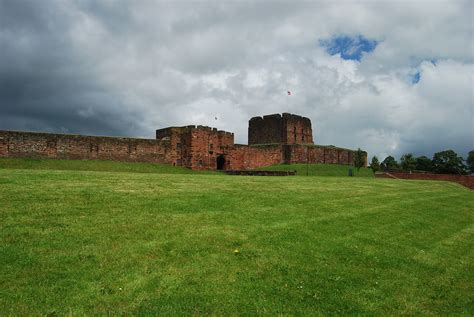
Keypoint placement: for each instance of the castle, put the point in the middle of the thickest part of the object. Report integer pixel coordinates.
(272, 139)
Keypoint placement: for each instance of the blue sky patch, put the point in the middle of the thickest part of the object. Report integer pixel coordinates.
(350, 47)
(415, 78)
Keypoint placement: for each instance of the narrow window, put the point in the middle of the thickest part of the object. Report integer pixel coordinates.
(294, 133)
(302, 135)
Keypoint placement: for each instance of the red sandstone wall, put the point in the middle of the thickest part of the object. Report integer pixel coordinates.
(250, 157)
(207, 145)
(225, 139)
(63, 146)
(235, 157)
(318, 155)
(286, 128)
(196, 147)
(465, 180)
(3, 145)
(180, 139)
(203, 153)
(345, 157)
(192, 147)
(265, 130)
(203, 147)
(297, 129)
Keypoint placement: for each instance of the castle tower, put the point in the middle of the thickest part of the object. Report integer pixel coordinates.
(283, 129)
(197, 147)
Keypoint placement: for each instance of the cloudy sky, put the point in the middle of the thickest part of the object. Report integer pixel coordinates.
(389, 77)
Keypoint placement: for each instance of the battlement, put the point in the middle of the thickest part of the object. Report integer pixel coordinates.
(275, 116)
(295, 117)
(285, 128)
(273, 139)
(168, 132)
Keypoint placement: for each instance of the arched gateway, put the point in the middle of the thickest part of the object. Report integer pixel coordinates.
(272, 139)
(220, 162)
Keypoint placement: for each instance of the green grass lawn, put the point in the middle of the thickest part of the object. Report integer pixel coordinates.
(94, 165)
(320, 170)
(78, 242)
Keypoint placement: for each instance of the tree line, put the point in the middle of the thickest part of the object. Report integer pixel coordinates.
(444, 162)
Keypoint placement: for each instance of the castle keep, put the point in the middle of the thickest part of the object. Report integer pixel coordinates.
(272, 139)
(283, 129)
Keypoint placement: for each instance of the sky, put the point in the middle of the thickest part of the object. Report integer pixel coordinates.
(390, 77)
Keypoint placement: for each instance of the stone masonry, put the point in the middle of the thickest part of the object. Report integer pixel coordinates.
(273, 139)
(286, 129)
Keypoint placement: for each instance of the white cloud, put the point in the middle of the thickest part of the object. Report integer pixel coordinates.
(131, 67)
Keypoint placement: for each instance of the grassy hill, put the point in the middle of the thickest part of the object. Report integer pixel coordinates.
(85, 243)
(320, 170)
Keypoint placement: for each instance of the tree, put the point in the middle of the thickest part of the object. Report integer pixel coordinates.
(448, 162)
(470, 161)
(359, 158)
(375, 164)
(389, 163)
(424, 164)
(408, 162)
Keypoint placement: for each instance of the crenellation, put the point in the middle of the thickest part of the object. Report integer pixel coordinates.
(273, 139)
(257, 118)
(275, 128)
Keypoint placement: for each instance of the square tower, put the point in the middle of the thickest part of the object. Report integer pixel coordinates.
(283, 129)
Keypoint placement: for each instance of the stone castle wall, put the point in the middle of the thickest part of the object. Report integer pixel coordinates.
(318, 154)
(197, 147)
(80, 147)
(288, 139)
(249, 157)
(297, 129)
(266, 130)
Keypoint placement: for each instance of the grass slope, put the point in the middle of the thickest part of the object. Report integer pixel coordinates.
(94, 165)
(75, 242)
(320, 170)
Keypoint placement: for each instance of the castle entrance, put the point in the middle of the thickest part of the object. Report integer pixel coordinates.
(220, 162)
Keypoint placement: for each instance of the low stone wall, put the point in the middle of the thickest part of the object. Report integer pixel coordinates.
(242, 157)
(198, 148)
(465, 180)
(79, 147)
(318, 154)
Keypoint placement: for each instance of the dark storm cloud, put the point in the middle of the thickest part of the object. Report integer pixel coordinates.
(45, 82)
(129, 67)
